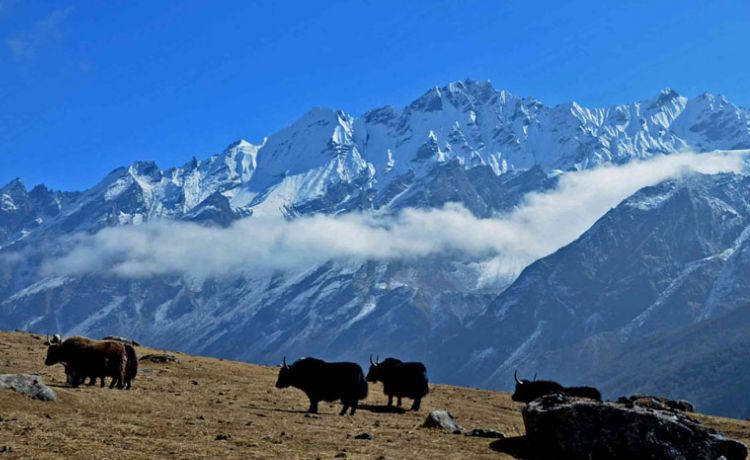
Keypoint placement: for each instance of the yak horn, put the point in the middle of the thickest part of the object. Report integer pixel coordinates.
(285, 365)
(377, 359)
(371, 360)
(515, 376)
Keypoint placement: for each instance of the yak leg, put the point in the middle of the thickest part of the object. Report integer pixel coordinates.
(92, 380)
(313, 407)
(417, 402)
(354, 407)
(399, 401)
(343, 409)
(390, 400)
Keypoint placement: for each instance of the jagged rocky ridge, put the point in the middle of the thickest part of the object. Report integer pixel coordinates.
(465, 142)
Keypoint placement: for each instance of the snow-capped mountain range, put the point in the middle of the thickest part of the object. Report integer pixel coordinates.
(643, 271)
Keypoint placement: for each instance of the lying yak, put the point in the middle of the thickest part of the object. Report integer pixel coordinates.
(322, 381)
(400, 379)
(83, 357)
(529, 390)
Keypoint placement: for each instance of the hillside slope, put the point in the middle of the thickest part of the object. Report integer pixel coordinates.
(178, 410)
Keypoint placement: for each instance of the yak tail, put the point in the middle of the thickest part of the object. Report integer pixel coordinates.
(131, 369)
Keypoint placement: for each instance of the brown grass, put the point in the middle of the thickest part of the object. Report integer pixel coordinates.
(178, 410)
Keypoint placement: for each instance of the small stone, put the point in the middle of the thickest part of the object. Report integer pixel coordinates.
(444, 420)
(365, 436)
(194, 382)
(223, 437)
(5, 449)
(340, 455)
(484, 433)
(312, 416)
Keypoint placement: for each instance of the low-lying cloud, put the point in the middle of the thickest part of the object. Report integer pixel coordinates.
(504, 244)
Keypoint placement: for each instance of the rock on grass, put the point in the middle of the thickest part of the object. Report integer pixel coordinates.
(27, 384)
(444, 420)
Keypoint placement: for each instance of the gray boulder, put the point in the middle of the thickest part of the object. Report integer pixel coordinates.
(657, 402)
(444, 420)
(29, 385)
(126, 340)
(574, 428)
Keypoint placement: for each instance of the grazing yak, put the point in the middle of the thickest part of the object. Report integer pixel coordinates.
(400, 379)
(529, 390)
(83, 357)
(322, 381)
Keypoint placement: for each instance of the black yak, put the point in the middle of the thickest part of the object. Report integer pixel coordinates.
(529, 390)
(400, 379)
(84, 357)
(322, 381)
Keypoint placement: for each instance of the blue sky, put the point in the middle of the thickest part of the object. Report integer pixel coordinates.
(89, 86)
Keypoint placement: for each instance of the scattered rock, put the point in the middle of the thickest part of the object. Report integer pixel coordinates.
(223, 437)
(312, 416)
(656, 402)
(29, 385)
(194, 382)
(162, 358)
(365, 436)
(117, 338)
(575, 428)
(444, 420)
(5, 449)
(484, 433)
(340, 455)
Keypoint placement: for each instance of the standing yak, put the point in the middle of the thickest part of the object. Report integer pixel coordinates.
(83, 357)
(400, 379)
(322, 381)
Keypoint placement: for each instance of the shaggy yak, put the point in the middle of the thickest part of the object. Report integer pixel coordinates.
(400, 379)
(322, 381)
(83, 357)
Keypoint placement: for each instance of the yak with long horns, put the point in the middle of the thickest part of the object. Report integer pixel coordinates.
(322, 381)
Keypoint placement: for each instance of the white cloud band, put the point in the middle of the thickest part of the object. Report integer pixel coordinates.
(543, 223)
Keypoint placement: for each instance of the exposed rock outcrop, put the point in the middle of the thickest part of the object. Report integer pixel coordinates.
(573, 428)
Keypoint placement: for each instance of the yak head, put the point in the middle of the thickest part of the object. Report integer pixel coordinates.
(529, 390)
(375, 372)
(382, 371)
(285, 376)
(54, 350)
(54, 354)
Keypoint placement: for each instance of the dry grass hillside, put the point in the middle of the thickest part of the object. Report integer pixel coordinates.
(184, 410)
